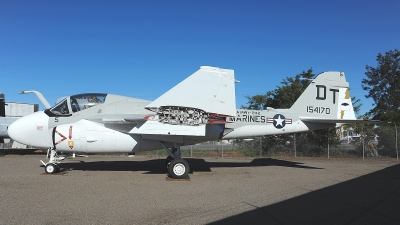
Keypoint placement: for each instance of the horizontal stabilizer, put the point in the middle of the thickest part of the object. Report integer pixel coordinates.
(333, 120)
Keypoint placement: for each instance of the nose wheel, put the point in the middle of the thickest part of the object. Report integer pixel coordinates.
(54, 160)
(52, 168)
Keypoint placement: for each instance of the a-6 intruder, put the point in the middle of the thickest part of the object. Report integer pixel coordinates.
(201, 108)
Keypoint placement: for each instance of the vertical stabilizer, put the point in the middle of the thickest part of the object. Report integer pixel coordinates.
(327, 96)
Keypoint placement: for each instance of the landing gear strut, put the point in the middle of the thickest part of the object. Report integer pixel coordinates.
(177, 167)
(52, 166)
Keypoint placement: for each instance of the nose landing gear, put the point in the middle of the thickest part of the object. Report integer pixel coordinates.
(54, 160)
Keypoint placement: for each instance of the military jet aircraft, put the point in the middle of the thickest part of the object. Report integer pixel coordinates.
(199, 109)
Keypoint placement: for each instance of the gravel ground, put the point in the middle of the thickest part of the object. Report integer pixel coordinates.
(123, 190)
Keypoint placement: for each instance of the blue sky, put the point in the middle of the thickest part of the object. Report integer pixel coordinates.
(143, 48)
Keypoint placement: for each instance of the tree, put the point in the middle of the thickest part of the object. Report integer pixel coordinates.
(257, 102)
(283, 96)
(383, 86)
(311, 143)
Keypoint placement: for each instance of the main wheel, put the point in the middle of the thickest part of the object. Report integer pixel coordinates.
(178, 169)
(50, 168)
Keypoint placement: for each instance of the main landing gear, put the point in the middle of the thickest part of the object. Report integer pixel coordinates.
(177, 167)
(54, 160)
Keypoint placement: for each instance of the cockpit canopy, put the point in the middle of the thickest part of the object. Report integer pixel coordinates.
(85, 101)
(76, 103)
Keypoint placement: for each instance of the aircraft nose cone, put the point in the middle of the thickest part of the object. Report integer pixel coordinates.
(31, 130)
(13, 131)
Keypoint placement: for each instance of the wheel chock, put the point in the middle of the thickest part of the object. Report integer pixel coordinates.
(181, 179)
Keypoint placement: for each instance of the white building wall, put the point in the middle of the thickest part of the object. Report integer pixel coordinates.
(14, 109)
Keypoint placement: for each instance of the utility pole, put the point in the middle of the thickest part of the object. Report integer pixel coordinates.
(395, 133)
(294, 144)
(397, 150)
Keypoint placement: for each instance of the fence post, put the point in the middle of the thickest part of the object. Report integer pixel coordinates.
(260, 147)
(363, 143)
(397, 150)
(328, 148)
(294, 144)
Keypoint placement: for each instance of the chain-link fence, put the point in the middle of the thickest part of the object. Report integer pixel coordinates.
(382, 142)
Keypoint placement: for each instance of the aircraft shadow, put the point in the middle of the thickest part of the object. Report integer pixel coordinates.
(17, 151)
(370, 199)
(157, 166)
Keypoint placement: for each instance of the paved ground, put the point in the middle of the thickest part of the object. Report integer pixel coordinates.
(122, 190)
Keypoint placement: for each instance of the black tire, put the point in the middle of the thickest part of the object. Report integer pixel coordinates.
(178, 169)
(168, 160)
(50, 168)
(57, 168)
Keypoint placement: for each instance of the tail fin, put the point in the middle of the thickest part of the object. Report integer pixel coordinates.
(210, 89)
(205, 97)
(327, 97)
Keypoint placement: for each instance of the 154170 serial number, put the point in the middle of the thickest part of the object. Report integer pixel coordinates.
(320, 110)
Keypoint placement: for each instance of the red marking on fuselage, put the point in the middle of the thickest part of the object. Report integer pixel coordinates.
(70, 132)
(216, 121)
(147, 117)
(63, 138)
(219, 115)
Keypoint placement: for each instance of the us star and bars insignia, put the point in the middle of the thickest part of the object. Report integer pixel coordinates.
(279, 121)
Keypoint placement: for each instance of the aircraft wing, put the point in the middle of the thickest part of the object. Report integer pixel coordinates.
(120, 119)
(205, 97)
(325, 120)
(210, 89)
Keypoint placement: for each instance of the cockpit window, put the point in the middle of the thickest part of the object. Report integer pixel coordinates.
(85, 101)
(61, 108)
